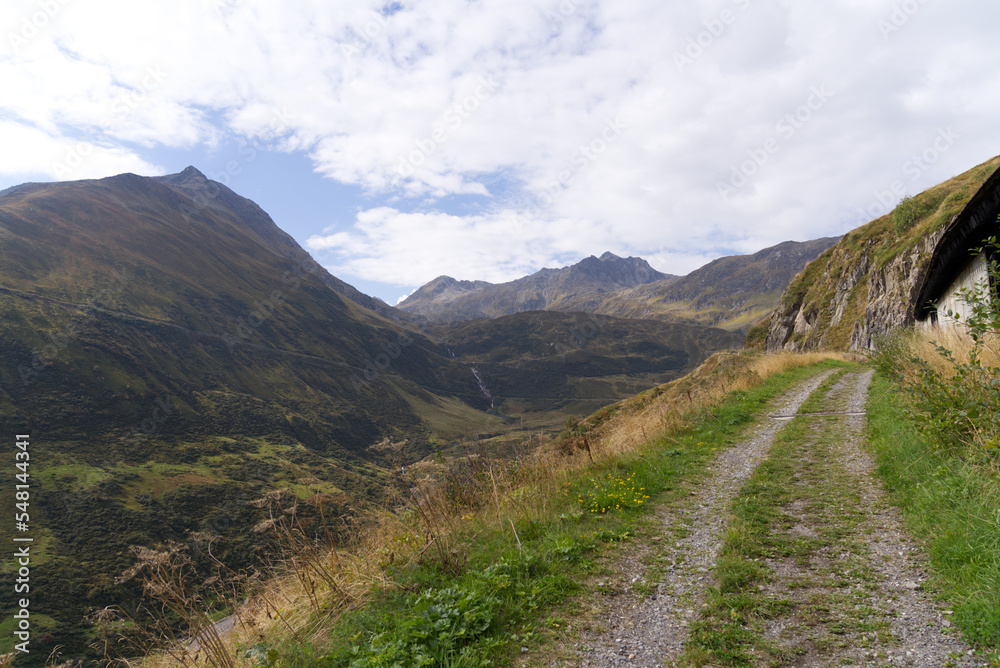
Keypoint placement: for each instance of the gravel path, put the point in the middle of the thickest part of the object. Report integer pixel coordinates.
(924, 633)
(878, 580)
(650, 632)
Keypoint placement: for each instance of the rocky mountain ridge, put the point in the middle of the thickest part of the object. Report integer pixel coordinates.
(571, 288)
(730, 292)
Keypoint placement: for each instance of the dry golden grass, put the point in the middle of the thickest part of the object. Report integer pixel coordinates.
(934, 363)
(443, 499)
(672, 406)
(923, 343)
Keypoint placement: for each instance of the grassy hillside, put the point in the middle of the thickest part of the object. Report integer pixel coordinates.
(174, 356)
(486, 549)
(732, 292)
(559, 363)
(864, 286)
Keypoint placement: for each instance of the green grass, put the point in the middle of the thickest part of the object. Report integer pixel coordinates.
(518, 580)
(951, 505)
(800, 508)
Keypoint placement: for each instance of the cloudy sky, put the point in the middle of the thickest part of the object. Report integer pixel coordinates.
(487, 139)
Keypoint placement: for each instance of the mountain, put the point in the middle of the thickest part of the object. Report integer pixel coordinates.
(865, 287)
(174, 355)
(539, 363)
(572, 288)
(212, 195)
(730, 292)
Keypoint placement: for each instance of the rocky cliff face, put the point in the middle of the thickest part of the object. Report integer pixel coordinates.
(865, 287)
(867, 300)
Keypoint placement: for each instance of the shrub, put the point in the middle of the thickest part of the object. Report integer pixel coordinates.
(906, 214)
(957, 395)
(443, 625)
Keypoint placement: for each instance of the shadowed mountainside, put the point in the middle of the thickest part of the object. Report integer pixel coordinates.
(575, 363)
(174, 355)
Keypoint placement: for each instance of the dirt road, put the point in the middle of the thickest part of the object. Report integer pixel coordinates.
(815, 567)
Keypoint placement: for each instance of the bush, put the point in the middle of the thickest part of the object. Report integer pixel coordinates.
(958, 402)
(439, 633)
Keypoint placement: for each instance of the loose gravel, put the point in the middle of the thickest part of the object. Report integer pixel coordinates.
(650, 632)
(921, 626)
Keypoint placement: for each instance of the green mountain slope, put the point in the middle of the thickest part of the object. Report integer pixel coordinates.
(865, 286)
(544, 362)
(731, 292)
(174, 355)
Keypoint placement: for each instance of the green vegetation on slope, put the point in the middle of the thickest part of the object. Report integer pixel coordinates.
(950, 504)
(832, 294)
(577, 362)
(498, 567)
(174, 355)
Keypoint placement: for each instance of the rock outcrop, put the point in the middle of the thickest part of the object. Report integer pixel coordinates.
(867, 300)
(865, 287)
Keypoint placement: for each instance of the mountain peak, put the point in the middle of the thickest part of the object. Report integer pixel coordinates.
(191, 172)
(190, 176)
(608, 255)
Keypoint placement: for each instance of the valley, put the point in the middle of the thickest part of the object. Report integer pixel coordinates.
(176, 356)
(183, 366)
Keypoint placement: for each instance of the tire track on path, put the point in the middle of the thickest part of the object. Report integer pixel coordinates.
(923, 633)
(831, 579)
(650, 632)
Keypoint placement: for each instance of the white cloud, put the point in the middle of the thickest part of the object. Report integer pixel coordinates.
(33, 153)
(403, 249)
(368, 93)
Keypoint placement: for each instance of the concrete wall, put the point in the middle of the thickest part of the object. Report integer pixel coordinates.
(973, 277)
